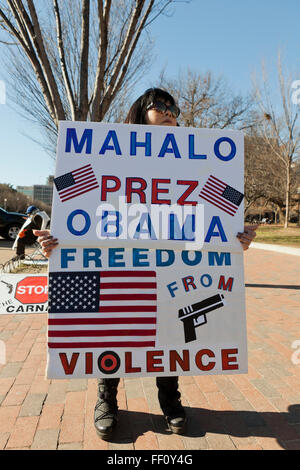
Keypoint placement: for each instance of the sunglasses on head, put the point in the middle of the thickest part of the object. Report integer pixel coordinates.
(161, 107)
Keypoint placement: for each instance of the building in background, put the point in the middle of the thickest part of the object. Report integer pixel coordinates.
(43, 192)
(39, 192)
(27, 190)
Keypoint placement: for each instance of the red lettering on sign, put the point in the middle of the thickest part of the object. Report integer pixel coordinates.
(156, 190)
(188, 281)
(184, 361)
(109, 189)
(140, 190)
(225, 285)
(152, 361)
(138, 185)
(229, 363)
(89, 363)
(128, 364)
(199, 356)
(191, 186)
(68, 366)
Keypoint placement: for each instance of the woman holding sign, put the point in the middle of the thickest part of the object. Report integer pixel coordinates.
(154, 107)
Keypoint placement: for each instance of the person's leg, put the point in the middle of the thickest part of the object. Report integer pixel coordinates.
(105, 414)
(169, 400)
(21, 244)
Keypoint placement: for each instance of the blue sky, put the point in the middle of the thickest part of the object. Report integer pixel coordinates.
(228, 37)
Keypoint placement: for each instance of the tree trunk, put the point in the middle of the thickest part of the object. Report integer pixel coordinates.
(287, 198)
(95, 41)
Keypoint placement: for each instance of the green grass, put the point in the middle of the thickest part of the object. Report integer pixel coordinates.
(33, 269)
(278, 235)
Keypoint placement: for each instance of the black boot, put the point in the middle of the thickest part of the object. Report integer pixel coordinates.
(169, 400)
(105, 414)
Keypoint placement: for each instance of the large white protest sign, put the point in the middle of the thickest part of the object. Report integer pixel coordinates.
(122, 185)
(133, 294)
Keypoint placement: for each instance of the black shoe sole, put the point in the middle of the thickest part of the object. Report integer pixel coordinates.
(105, 435)
(177, 429)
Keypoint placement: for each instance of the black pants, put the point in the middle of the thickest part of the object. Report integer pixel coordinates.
(21, 245)
(168, 392)
(23, 242)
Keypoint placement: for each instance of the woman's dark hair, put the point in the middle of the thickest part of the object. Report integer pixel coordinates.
(137, 112)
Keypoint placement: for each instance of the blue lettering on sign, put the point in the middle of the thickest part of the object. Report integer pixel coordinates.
(145, 219)
(115, 259)
(87, 221)
(78, 146)
(169, 139)
(114, 223)
(166, 262)
(172, 287)
(195, 261)
(134, 144)
(217, 149)
(214, 257)
(186, 232)
(66, 256)
(192, 154)
(206, 280)
(111, 135)
(215, 222)
(138, 256)
(187, 281)
(92, 254)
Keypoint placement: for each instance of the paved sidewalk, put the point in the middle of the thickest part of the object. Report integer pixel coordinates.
(288, 250)
(6, 251)
(259, 410)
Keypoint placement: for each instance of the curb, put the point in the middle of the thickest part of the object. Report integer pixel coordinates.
(288, 250)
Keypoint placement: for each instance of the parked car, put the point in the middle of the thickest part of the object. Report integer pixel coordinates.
(10, 223)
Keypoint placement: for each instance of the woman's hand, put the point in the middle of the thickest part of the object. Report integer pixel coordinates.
(46, 240)
(247, 236)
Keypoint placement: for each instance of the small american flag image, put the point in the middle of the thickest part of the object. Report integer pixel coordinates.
(221, 195)
(102, 309)
(76, 182)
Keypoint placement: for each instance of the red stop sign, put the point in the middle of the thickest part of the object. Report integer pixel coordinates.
(32, 290)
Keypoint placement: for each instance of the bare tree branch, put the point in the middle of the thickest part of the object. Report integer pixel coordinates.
(130, 33)
(26, 44)
(61, 51)
(103, 18)
(12, 29)
(132, 48)
(84, 57)
(206, 101)
(279, 130)
(75, 59)
(38, 40)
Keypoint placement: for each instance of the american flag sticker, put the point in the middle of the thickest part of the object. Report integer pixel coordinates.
(76, 182)
(221, 195)
(102, 309)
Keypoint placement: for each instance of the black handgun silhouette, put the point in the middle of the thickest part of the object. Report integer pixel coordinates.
(195, 315)
(9, 286)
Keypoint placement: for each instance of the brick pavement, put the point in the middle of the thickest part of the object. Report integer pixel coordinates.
(6, 251)
(258, 410)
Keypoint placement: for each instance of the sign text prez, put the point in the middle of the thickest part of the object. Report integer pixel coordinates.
(130, 193)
